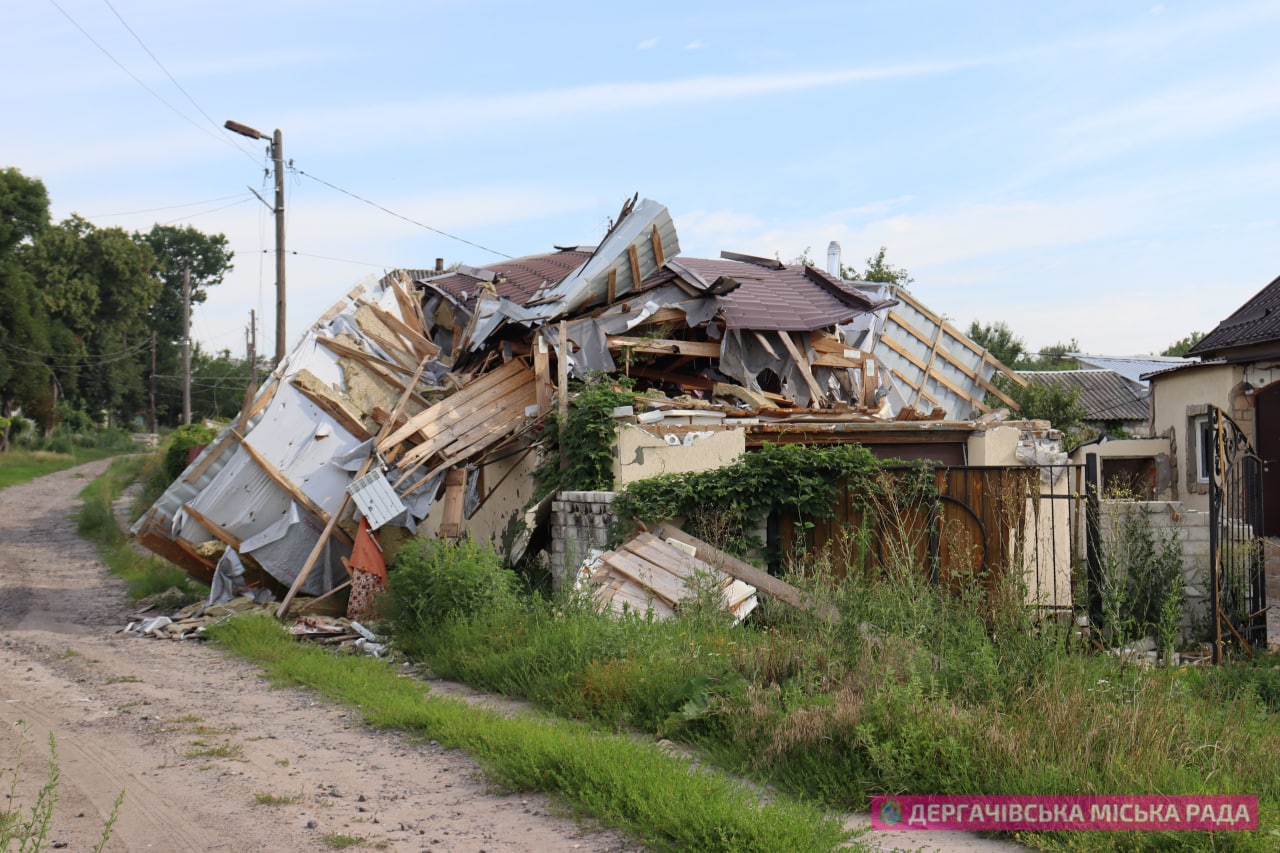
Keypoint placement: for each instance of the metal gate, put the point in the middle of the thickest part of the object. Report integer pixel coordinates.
(1236, 559)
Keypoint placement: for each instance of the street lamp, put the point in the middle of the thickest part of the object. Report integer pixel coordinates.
(277, 158)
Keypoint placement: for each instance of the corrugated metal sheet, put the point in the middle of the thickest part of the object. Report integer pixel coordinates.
(589, 284)
(1131, 367)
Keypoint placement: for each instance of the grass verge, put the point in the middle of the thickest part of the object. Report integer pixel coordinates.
(96, 521)
(615, 778)
(917, 690)
(21, 466)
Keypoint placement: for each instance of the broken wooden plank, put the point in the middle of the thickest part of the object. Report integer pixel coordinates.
(478, 390)
(334, 409)
(664, 346)
(368, 359)
(415, 338)
(828, 359)
(477, 429)
(633, 259)
(653, 578)
(743, 571)
(219, 532)
(455, 492)
(508, 402)
(805, 373)
(542, 374)
(656, 240)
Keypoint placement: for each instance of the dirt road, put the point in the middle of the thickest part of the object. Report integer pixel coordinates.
(197, 740)
(209, 757)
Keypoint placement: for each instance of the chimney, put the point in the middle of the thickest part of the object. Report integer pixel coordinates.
(833, 258)
(439, 264)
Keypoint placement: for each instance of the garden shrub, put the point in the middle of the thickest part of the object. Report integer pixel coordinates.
(432, 582)
(180, 443)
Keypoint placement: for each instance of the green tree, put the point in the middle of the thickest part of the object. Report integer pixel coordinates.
(998, 339)
(175, 250)
(878, 269)
(1182, 346)
(98, 288)
(1055, 404)
(1053, 357)
(25, 380)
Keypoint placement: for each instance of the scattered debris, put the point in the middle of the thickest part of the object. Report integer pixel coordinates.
(406, 397)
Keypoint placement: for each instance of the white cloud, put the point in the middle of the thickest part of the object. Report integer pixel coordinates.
(647, 44)
(594, 99)
(696, 44)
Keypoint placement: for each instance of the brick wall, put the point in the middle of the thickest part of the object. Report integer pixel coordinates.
(579, 522)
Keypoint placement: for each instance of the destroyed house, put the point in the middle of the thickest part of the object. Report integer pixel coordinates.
(413, 406)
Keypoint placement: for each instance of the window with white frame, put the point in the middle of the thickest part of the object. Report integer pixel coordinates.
(1202, 428)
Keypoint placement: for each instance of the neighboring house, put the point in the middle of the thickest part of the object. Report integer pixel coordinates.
(1239, 372)
(1111, 402)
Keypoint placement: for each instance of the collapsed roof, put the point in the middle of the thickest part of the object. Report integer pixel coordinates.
(408, 379)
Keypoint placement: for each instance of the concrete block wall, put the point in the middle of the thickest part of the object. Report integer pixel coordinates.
(580, 521)
(1190, 528)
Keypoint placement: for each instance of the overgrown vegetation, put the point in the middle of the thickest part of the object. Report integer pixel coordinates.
(96, 520)
(726, 504)
(586, 438)
(1141, 586)
(916, 689)
(616, 778)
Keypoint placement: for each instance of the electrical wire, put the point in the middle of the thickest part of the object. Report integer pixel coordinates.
(402, 216)
(218, 136)
(339, 260)
(210, 210)
(157, 209)
(160, 65)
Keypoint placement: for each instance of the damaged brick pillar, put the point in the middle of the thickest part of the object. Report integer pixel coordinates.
(580, 521)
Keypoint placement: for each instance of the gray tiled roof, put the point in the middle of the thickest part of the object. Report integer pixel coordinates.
(1105, 394)
(1255, 322)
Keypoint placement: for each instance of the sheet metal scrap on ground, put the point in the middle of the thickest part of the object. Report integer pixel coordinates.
(386, 415)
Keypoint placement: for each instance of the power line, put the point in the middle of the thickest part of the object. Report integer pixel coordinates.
(210, 210)
(220, 137)
(160, 65)
(405, 218)
(339, 260)
(157, 209)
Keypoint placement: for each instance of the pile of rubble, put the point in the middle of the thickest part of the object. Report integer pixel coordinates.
(417, 399)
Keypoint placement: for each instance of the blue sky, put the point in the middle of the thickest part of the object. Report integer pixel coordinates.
(1108, 171)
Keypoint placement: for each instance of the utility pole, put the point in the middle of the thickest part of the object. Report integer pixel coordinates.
(186, 345)
(277, 156)
(253, 344)
(277, 160)
(154, 425)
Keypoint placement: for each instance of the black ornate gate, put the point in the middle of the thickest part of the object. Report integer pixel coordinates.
(1236, 560)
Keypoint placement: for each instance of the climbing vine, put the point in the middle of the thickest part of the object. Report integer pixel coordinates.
(587, 437)
(726, 503)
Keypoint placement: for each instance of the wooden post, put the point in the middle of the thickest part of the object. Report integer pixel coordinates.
(541, 372)
(562, 371)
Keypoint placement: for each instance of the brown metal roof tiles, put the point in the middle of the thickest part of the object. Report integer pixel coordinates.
(518, 279)
(794, 298)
